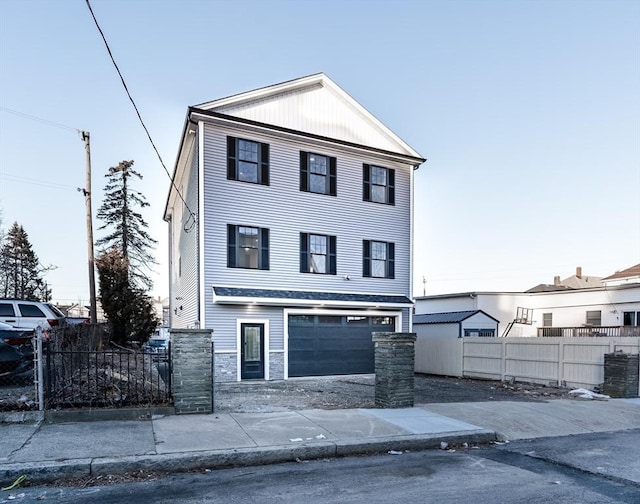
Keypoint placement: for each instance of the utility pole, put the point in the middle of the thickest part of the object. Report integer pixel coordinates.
(93, 315)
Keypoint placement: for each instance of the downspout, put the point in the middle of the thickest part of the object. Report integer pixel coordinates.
(200, 228)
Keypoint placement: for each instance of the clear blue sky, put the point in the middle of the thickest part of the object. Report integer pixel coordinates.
(528, 113)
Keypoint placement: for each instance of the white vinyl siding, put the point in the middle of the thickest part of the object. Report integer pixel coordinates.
(184, 303)
(286, 211)
(222, 319)
(307, 110)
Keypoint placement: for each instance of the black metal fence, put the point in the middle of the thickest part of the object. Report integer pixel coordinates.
(109, 378)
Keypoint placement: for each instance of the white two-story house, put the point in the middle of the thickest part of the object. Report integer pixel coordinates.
(290, 231)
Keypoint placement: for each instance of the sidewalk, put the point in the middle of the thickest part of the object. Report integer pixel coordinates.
(45, 452)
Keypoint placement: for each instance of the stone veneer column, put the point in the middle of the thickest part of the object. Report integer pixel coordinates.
(192, 370)
(621, 374)
(395, 368)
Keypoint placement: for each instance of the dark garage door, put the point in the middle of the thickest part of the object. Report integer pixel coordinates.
(321, 345)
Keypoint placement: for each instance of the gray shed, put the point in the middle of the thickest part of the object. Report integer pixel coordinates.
(455, 324)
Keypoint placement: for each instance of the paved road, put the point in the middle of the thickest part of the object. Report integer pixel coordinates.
(589, 468)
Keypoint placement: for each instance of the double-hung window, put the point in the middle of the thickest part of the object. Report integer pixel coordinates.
(378, 184)
(247, 247)
(247, 161)
(378, 259)
(317, 254)
(317, 173)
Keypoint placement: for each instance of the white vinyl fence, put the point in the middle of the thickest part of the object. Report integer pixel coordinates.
(571, 362)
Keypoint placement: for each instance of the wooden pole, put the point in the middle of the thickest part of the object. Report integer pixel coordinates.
(87, 197)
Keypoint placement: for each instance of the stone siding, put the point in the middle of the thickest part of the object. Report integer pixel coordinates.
(276, 366)
(226, 368)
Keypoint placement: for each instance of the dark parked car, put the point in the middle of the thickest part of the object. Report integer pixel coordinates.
(158, 347)
(16, 354)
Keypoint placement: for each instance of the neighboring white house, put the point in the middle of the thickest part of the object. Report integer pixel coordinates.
(290, 230)
(455, 324)
(627, 276)
(553, 313)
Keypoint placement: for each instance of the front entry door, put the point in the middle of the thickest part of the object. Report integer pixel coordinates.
(252, 358)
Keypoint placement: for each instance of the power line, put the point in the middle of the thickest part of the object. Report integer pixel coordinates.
(124, 84)
(44, 183)
(39, 119)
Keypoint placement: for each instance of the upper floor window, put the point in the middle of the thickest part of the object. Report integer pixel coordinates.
(547, 319)
(317, 254)
(379, 184)
(247, 247)
(247, 161)
(594, 318)
(317, 173)
(630, 318)
(378, 259)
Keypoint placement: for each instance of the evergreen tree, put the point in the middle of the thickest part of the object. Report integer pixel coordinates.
(128, 229)
(20, 269)
(127, 308)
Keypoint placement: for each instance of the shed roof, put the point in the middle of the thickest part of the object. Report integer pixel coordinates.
(447, 317)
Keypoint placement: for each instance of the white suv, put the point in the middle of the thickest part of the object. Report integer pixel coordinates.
(30, 314)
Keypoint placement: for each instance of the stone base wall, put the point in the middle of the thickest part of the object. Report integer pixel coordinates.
(276, 366)
(192, 370)
(394, 368)
(226, 367)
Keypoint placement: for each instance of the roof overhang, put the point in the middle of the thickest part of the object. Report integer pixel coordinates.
(311, 299)
(196, 114)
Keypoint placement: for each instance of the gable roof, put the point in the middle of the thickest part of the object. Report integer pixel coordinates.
(315, 105)
(633, 271)
(448, 317)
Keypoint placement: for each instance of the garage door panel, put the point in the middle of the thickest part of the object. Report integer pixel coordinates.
(332, 345)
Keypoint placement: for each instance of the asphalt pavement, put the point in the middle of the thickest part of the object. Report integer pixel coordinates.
(49, 451)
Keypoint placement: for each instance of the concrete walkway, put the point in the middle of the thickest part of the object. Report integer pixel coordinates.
(48, 451)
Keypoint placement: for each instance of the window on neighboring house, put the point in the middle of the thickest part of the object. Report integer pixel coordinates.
(317, 254)
(378, 184)
(547, 319)
(247, 161)
(247, 247)
(630, 318)
(594, 318)
(317, 173)
(378, 259)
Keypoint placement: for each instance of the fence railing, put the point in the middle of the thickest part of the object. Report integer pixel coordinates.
(105, 378)
(589, 332)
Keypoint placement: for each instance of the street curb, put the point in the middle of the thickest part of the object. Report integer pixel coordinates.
(43, 472)
(17, 417)
(412, 442)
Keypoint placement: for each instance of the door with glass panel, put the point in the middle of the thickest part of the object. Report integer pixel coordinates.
(252, 351)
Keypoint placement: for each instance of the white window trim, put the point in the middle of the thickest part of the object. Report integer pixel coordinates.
(302, 311)
(267, 352)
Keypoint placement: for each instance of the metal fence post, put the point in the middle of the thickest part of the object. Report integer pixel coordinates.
(39, 369)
